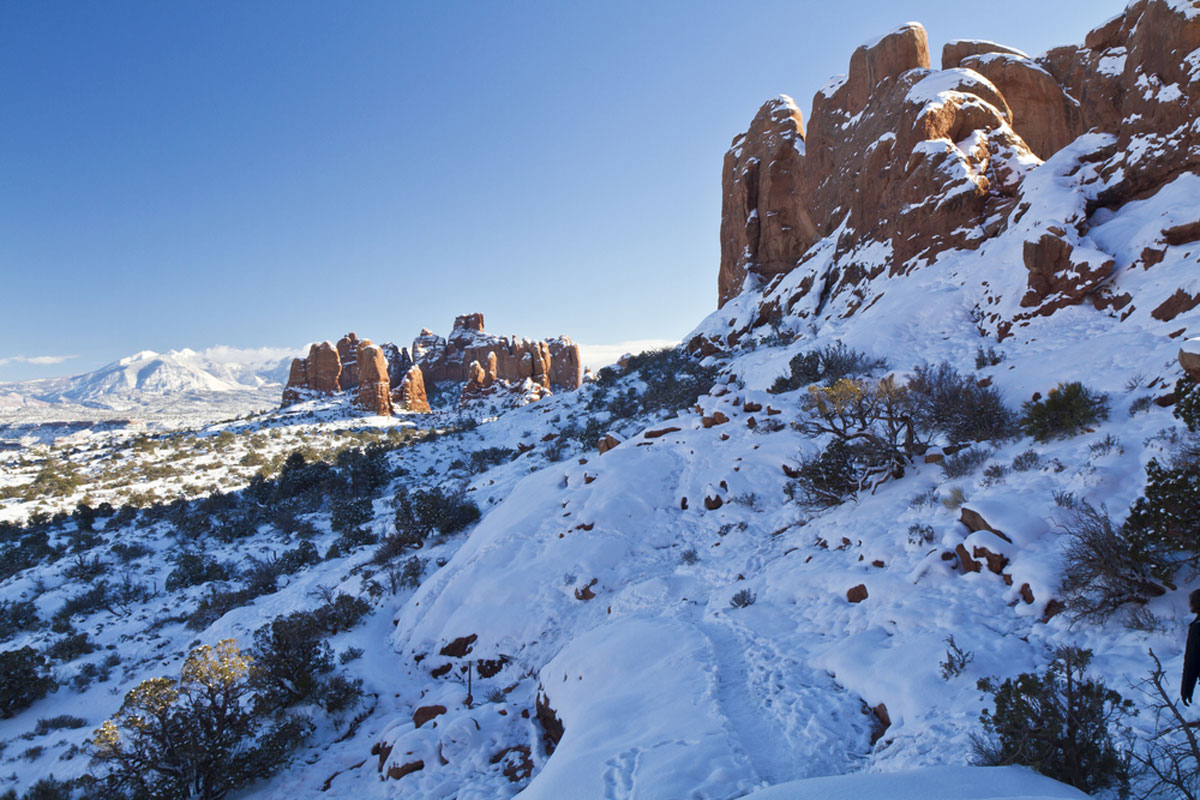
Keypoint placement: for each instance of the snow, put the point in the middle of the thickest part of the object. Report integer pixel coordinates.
(940, 783)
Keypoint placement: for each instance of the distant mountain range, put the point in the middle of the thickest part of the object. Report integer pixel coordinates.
(152, 381)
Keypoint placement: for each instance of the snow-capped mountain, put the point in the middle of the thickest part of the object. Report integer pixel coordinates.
(150, 379)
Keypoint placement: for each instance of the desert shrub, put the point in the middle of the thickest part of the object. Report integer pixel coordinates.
(919, 534)
(956, 659)
(17, 616)
(215, 605)
(827, 364)
(1102, 569)
(127, 552)
(1026, 460)
(955, 405)
(964, 463)
(197, 736)
(873, 420)
(62, 721)
(994, 474)
(85, 602)
(671, 380)
(826, 479)
(743, 598)
(341, 613)
(1062, 723)
(350, 540)
(290, 661)
(987, 358)
(487, 457)
(350, 512)
(1066, 410)
(689, 556)
(195, 569)
(424, 511)
(953, 499)
(71, 647)
(24, 678)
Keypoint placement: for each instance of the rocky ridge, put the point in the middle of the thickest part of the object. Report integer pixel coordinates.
(901, 164)
(386, 377)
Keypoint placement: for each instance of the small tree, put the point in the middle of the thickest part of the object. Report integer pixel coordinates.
(1061, 723)
(1065, 411)
(192, 737)
(873, 419)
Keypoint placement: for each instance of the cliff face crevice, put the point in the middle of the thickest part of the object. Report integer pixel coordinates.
(900, 164)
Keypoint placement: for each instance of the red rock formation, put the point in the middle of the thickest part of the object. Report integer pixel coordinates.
(319, 373)
(374, 389)
(347, 349)
(900, 163)
(765, 225)
(410, 394)
(553, 363)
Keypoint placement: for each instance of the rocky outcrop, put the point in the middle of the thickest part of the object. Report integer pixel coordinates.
(900, 163)
(765, 223)
(319, 373)
(894, 154)
(488, 364)
(347, 350)
(374, 391)
(383, 377)
(409, 395)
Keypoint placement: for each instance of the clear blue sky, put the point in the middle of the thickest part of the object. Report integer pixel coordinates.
(187, 174)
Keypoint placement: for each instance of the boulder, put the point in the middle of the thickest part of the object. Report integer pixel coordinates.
(856, 594)
(426, 713)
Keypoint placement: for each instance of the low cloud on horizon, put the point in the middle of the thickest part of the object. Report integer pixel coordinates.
(597, 356)
(37, 360)
(224, 354)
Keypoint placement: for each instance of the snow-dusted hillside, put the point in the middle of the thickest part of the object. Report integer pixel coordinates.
(653, 603)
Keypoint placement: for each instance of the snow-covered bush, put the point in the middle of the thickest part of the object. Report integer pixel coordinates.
(424, 511)
(673, 380)
(1187, 403)
(874, 425)
(292, 665)
(24, 678)
(195, 569)
(1062, 723)
(827, 364)
(1165, 521)
(17, 616)
(1103, 570)
(743, 598)
(964, 463)
(197, 736)
(955, 405)
(1065, 411)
